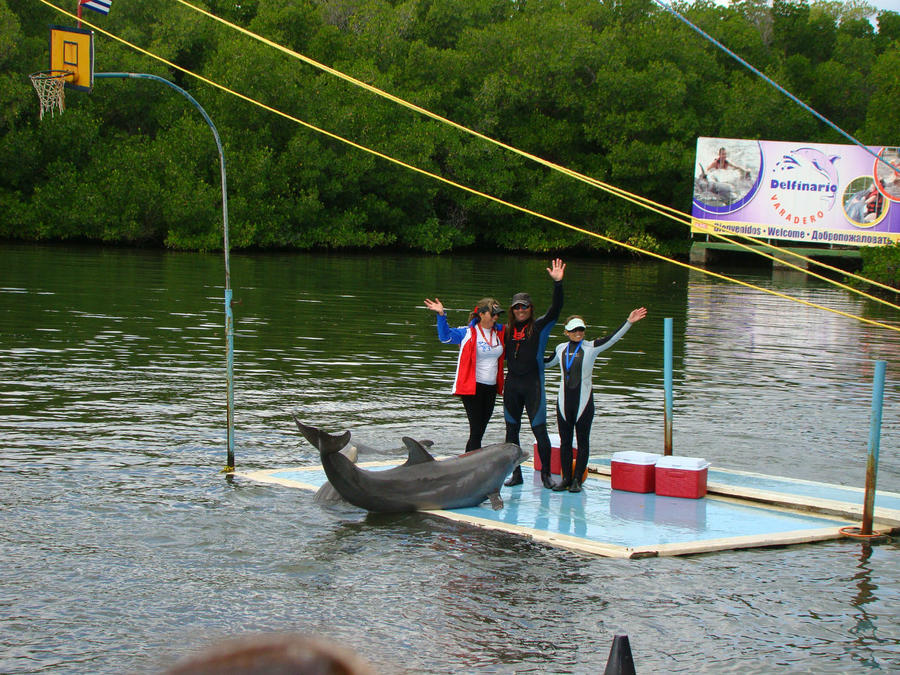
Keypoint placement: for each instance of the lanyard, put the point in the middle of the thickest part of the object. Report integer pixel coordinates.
(518, 338)
(571, 359)
(489, 343)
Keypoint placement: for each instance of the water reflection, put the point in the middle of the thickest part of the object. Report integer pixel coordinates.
(645, 508)
(686, 513)
(633, 506)
(865, 630)
(772, 378)
(112, 435)
(572, 518)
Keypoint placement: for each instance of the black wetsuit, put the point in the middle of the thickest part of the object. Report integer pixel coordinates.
(524, 386)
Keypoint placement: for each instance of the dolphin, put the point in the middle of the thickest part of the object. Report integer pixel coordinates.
(822, 163)
(856, 206)
(421, 483)
(710, 192)
(327, 494)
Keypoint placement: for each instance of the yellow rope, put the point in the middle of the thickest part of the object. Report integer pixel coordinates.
(673, 216)
(683, 218)
(661, 209)
(459, 186)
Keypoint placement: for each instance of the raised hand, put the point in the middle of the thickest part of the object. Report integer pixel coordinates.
(435, 305)
(556, 270)
(637, 314)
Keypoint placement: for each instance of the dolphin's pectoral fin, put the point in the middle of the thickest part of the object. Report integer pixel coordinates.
(496, 501)
(327, 494)
(326, 443)
(417, 453)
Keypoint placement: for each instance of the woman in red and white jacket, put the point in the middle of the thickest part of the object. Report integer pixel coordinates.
(479, 368)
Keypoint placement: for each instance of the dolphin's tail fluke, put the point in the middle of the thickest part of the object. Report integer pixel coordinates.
(326, 443)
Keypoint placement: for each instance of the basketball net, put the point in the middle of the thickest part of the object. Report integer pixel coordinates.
(50, 87)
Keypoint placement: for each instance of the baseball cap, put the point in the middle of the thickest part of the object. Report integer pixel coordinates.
(521, 299)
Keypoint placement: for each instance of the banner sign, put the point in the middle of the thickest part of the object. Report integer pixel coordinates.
(805, 192)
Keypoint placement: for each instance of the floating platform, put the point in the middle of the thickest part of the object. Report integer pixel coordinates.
(740, 510)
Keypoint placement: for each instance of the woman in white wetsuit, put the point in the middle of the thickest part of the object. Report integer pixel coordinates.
(575, 402)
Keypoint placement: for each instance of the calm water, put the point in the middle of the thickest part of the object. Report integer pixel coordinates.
(124, 548)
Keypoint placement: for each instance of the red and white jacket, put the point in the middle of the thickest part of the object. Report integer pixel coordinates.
(466, 338)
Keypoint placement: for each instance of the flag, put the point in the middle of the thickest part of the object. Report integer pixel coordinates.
(101, 6)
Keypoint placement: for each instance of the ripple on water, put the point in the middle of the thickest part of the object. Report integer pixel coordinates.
(124, 547)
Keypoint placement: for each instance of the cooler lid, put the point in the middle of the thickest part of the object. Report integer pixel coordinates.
(555, 442)
(635, 457)
(685, 463)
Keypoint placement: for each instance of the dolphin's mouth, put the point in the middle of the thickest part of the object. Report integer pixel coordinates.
(523, 455)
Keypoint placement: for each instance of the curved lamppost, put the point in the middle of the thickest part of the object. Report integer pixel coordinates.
(229, 317)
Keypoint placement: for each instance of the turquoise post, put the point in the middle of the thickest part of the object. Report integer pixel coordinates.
(667, 383)
(229, 318)
(874, 443)
(229, 376)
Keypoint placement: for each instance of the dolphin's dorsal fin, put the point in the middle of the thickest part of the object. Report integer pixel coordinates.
(417, 452)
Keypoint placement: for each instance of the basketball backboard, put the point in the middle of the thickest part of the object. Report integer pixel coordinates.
(72, 49)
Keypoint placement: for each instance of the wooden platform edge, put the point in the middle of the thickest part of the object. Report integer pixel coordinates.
(267, 476)
(556, 540)
(882, 517)
(746, 541)
(577, 545)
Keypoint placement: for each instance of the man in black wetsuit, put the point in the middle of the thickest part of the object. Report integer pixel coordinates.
(526, 338)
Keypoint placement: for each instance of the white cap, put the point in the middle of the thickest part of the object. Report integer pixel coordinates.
(574, 323)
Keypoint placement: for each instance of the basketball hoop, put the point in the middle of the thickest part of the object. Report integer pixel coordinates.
(50, 87)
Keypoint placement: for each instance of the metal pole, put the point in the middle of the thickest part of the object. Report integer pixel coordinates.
(874, 443)
(667, 383)
(229, 318)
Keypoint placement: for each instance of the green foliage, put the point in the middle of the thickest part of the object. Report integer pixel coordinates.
(882, 264)
(617, 90)
(888, 29)
(882, 113)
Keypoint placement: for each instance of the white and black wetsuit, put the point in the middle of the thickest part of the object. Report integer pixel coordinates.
(524, 386)
(575, 401)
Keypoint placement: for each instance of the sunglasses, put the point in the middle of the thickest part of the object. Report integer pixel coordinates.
(521, 306)
(495, 311)
(580, 329)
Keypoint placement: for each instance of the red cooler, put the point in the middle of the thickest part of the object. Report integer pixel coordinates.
(555, 463)
(633, 471)
(681, 477)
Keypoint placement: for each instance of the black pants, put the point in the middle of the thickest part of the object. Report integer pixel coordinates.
(479, 408)
(527, 392)
(582, 432)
